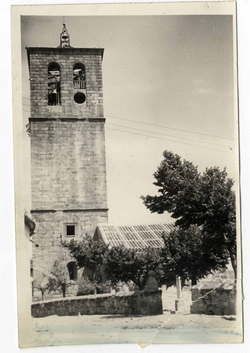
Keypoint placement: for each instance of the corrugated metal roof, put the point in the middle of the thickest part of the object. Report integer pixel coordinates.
(134, 237)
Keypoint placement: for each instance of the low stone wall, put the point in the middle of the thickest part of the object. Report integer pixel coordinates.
(214, 299)
(130, 303)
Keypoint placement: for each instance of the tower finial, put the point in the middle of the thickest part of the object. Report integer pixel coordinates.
(64, 37)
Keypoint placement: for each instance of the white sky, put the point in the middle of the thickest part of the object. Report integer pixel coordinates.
(170, 77)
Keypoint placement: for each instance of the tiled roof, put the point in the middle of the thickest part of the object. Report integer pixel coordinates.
(133, 237)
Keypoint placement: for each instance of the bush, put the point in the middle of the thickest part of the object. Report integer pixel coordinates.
(103, 287)
(86, 287)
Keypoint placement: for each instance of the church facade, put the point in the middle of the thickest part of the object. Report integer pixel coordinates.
(68, 162)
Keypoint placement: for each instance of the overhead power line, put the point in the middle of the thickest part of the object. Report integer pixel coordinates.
(158, 133)
(168, 127)
(165, 127)
(160, 138)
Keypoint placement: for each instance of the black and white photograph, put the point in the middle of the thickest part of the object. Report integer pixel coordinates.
(127, 174)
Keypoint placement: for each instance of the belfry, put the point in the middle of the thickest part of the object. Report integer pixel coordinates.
(68, 163)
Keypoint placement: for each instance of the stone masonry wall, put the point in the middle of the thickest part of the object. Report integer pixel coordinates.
(51, 229)
(68, 168)
(68, 162)
(131, 303)
(212, 299)
(39, 58)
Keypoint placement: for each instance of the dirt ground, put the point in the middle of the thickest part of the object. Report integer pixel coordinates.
(166, 328)
(170, 327)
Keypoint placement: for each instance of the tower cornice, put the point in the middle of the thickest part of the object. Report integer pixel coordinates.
(66, 50)
(42, 119)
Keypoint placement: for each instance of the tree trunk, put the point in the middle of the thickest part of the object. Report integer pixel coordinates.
(194, 280)
(64, 289)
(234, 263)
(139, 285)
(182, 282)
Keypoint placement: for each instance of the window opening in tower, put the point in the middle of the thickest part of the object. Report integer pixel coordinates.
(79, 81)
(54, 87)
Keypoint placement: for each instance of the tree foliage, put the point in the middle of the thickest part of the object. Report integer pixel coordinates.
(184, 255)
(205, 200)
(41, 282)
(89, 254)
(59, 275)
(126, 265)
(118, 263)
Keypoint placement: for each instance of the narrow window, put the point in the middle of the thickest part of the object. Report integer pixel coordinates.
(54, 84)
(70, 230)
(79, 81)
(72, 268)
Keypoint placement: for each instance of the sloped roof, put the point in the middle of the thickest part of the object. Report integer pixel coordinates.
(133, 237)
(29, 223)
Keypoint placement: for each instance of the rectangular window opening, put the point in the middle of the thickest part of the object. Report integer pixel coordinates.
(70, 230)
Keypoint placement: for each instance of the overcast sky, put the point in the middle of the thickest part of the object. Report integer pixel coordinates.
(168, 85)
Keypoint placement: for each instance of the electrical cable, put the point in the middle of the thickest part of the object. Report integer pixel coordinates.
(159, 138)
(167, 127)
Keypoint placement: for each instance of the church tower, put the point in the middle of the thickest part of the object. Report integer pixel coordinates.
(68, 164)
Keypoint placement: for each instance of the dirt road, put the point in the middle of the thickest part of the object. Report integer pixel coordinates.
(166, 328)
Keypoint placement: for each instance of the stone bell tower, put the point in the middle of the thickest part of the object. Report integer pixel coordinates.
(68, 164)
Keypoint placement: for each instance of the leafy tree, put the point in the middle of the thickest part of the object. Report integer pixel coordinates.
(126, 265)
(115, 264)
(88, 253)
(41, 282)
(205, 200)
(184, 255)
(59, 275)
